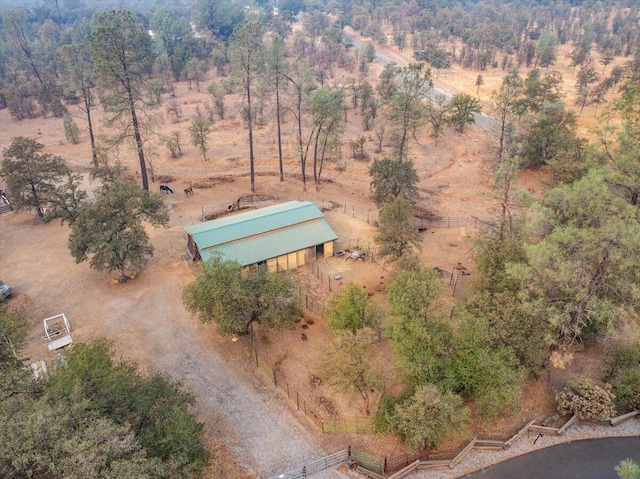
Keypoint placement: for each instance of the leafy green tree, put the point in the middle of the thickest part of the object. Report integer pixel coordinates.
(479, 83)
(552, 135)
(623, 372)
(352, 309)
(463, 107)
(508, 103)
(155, 408)
(420, 340)
(368, 52)
(65, 199)
(437, 114)
(14, 335)
(195, 71)
(77, 73)
(541, 91)
(173, 36)
(397, 234)
(628, 469)
(325, 107)
(404, 91)
(234, 298)
(174, 143)
(220, 17)
(429, 415)
(413, 294)
(301, 78)
(45, 438)
(348, 365)
(546, 49)
(587, 77)
(217, 95)
(490, 376)
(31, 174)
(200, 129)
(71, 130)
(246, 55)
(505, 321)
(110, 232)
(583, 273)
(393, 179)
(120, 48)
(276, 65)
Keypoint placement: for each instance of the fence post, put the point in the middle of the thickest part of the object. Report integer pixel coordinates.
(275, 379)
(384, 465)
(297, 399)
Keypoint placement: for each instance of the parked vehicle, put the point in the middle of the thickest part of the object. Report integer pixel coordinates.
(5, 291)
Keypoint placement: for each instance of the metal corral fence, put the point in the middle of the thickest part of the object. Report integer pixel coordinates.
(311, 302)
(368, 461)
(328, 462)
(292, 393)
(423, 224)
(357, 426)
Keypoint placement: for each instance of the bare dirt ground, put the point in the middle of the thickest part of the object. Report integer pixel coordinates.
(249, 423)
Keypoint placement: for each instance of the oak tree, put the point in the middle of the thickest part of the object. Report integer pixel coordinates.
(110, 232)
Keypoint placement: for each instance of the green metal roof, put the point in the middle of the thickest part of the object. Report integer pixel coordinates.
(264, 233)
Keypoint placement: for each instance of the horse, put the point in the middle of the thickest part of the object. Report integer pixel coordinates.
(188, 191)
(354, 255)
(166, 189)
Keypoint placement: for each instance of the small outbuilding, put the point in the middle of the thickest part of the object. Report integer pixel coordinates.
(282, 236)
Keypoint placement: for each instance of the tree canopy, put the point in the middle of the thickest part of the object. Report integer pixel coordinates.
(110, 232)
(31, 175)
(234, 298)
(351, 309)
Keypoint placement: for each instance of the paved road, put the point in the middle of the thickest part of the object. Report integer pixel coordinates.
(483, 120)
(587, 459)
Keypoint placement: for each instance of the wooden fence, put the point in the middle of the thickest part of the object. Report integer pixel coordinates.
(400, 466)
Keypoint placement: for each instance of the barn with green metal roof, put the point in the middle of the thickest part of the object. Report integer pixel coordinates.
(282, 236)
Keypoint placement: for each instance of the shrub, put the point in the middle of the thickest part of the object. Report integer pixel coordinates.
(351, 309)
(587, 400)
(621, 357)
(627, 387)
(623, 372)
(428, 416)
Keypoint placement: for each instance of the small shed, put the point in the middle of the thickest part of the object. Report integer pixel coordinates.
(282, 236)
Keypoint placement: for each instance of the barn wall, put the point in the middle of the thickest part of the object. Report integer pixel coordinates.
(272, 265)
(328, 249)
(301, 258)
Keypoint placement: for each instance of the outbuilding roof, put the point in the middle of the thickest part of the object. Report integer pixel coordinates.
(262, 234)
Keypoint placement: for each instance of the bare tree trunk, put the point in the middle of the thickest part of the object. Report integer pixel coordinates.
(279, 132)
(250, 124)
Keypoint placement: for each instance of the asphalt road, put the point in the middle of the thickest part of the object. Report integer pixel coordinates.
(587, 459)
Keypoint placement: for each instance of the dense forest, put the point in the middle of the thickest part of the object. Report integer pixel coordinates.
(552, 272)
